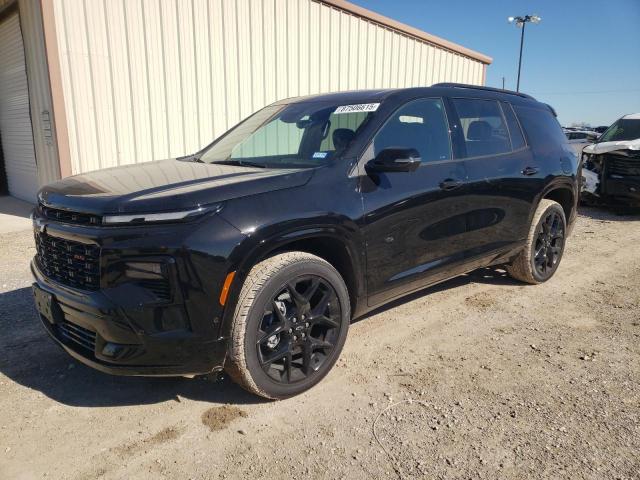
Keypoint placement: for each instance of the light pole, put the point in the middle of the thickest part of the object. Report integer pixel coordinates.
(521, 22)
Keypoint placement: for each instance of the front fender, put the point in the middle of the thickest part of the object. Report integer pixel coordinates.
(261, 243)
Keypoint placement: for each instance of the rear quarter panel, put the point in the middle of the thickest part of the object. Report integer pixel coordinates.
(557, 161)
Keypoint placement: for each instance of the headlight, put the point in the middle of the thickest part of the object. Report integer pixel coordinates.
(178, 216)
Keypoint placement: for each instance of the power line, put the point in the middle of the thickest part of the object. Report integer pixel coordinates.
(591, 92)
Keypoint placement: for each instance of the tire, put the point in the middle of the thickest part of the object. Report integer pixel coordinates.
(273, 314)
(538, 261)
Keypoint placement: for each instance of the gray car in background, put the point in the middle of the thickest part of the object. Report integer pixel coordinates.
(580, 139)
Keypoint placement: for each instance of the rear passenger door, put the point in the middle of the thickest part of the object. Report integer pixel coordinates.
(488, 136)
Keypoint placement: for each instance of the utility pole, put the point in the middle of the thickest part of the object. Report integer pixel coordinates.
(520, 57)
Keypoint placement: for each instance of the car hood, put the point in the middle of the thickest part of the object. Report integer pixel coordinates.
(165, 185)
(604, 147)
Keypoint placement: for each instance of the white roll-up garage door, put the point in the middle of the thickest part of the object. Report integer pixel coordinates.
(15, 121)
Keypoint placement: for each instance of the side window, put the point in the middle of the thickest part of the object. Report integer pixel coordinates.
(483, 127)
(419, 124)
(517, 139)
(543, 131)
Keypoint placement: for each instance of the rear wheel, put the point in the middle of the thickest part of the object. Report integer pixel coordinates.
(539, 260)
(290, 325)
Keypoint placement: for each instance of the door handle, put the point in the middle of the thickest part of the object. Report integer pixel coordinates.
(450, 184)
(530, 171)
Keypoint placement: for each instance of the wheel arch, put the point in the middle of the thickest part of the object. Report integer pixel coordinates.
(564, 195)
(333, 251)
(330, 243)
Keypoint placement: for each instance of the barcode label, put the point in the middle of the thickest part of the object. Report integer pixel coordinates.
(361, 107)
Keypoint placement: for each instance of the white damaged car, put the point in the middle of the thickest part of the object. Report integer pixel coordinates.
(611, 166)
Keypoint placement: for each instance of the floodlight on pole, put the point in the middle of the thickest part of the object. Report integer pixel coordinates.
(521, 22)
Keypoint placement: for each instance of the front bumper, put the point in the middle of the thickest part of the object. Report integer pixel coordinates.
(624, 190)
(123, 328)
(97, 333)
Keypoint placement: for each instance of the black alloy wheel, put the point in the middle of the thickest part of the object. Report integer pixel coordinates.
(290, 325)
(299, 329)
(549, 244)
(538, 261)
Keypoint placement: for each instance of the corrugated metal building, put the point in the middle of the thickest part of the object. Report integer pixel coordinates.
(91, 84)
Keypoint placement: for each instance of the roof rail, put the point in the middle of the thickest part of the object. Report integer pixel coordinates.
(488, 89)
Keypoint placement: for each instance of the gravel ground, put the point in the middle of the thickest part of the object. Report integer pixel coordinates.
(479, 377)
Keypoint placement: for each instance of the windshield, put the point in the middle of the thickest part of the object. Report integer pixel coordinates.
(623, 129)
(306, 134)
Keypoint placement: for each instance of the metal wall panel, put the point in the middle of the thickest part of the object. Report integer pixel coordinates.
(153, 79)
(41, 128)
(15, 120)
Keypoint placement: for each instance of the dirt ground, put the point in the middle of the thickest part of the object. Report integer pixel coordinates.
(480, 377)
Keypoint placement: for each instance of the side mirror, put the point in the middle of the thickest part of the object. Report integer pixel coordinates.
(395, 160)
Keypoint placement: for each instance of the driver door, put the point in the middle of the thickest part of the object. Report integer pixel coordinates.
(415, 222)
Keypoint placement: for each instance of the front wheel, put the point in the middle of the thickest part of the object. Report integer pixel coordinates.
(290, 325)
(540, 258)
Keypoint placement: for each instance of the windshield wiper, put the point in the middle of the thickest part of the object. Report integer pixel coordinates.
(241, 163)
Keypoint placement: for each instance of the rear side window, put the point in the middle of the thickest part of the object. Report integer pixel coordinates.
(543, 131)
(517, 139)
(483, 127)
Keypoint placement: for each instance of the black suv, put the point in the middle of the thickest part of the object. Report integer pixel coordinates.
(254, 254)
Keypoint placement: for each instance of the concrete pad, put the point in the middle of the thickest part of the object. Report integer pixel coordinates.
(14, 215)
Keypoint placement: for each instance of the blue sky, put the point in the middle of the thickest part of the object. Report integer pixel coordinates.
(583, 58)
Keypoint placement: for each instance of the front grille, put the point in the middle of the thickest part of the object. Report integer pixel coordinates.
(70, 217)
(77, 334)
(623, 165)
(71, 263)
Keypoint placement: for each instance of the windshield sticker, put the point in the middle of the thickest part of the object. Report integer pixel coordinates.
(320, 154)
(361, 107)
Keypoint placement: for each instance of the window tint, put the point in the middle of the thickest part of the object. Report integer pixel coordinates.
(482, 126)
(517, 139)
(420, 124)
(543, 131)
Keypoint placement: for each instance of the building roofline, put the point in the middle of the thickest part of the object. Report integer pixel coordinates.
(407, 30)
